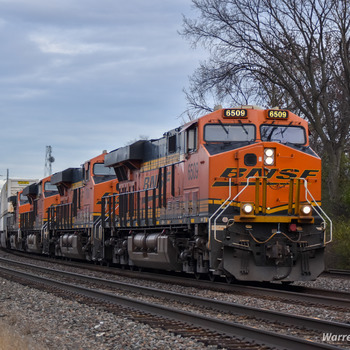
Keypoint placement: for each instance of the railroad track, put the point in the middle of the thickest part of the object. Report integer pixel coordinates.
(225, 333)
(306, 296)
(337, 273)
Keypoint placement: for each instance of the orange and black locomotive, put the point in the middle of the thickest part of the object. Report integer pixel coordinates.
(235, 193)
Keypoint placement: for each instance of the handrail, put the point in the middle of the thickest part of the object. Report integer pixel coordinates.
(131, 192)
(95, 227)
(107, 199)
(224, 203)
(223, 210)
(209, 225)
(43, 227)
(321, 213)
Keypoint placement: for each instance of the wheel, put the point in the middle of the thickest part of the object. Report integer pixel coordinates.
(211, 277)
(229, 279)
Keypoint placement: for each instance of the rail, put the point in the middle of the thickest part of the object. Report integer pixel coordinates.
(187, 319)
(139, 207)
(293, 205)
(130, 208)
(320, 211)
(223, 207)
(27, 220)
(60, 216)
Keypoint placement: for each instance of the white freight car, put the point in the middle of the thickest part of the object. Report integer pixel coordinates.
(10, 188)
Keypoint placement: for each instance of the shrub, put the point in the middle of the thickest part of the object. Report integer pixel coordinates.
(338, 252)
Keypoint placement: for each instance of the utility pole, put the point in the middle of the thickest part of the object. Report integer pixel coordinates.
(49, 159)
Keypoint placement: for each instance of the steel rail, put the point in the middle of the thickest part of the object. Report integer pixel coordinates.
(308, 295)
(230, 329)
(273, 316)
(337, 273)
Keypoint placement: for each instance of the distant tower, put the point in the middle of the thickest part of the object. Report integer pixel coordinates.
(49, 159)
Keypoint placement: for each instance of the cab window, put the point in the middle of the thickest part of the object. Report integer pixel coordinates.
(229, 132)
(50, 190)
(283, 134)
(192, 139)
(23, 199)
(102, 173)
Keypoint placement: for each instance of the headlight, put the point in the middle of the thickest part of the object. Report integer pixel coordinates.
(269, 156)
(247, 208)
(306, 209)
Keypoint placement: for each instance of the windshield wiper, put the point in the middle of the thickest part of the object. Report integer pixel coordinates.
(284, 130)
(268, 138)
(243, 127)
(267, 129)
(223, 126)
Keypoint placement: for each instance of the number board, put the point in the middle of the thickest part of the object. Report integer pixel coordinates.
(277, 114)
(235, 113)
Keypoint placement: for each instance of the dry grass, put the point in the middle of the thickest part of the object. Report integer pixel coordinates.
(10, 339)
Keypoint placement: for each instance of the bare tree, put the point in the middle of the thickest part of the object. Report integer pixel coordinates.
(291, 53)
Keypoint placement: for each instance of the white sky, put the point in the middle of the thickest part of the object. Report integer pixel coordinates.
(88, 75)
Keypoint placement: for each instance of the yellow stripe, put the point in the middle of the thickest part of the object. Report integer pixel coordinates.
(277, 219)
(161, 162)
(77, 184)
(268, 211)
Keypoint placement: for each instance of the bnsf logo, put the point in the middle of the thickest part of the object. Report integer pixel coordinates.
(283, 174)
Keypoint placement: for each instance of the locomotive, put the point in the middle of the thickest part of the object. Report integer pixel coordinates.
(235, 193)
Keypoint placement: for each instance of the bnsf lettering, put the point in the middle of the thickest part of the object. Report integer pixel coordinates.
(283, 174)
(259, 172)
(232, 172)
(309, 173)
(150, 182)
(255, 172)
(286, 174)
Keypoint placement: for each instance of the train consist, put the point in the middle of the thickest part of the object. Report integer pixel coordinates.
(235, 193)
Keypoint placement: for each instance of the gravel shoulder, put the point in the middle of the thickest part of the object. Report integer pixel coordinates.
(34, 320)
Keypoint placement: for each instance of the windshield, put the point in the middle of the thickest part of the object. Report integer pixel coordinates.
(50, 190)
(229, 132)
(103, 173)
(101, 169)
(283, 134)
(23, 199)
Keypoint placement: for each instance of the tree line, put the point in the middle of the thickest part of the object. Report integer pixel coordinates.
(294, 54)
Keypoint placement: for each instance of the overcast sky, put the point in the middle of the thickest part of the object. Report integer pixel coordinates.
(88, 75)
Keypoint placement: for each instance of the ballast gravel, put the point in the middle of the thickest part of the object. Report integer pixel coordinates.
(35, 320)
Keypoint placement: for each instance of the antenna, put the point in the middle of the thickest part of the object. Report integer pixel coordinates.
(49, 159)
